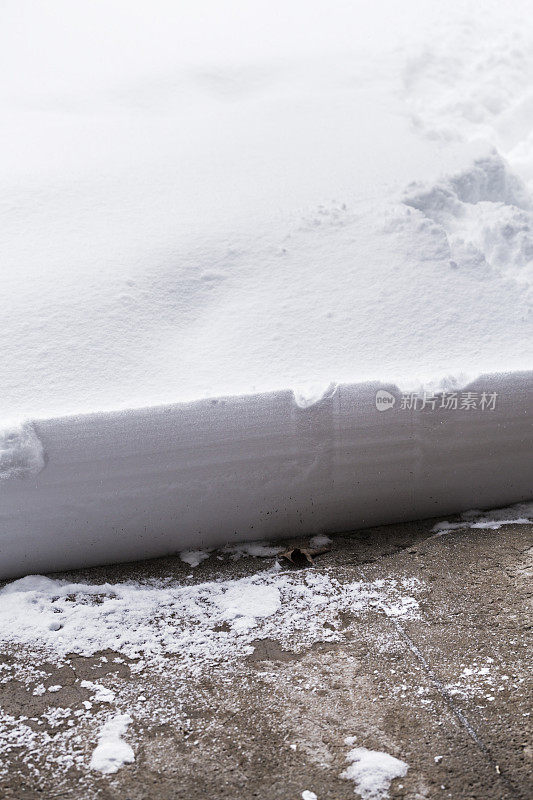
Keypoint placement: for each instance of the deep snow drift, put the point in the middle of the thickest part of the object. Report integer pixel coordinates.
(252, 200)
(210, 199)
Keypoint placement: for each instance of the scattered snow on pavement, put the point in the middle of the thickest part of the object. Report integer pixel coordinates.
(482, 678)
(205, 628)
(112, 751)
(372, 771)
(153, 619)
(519, 514)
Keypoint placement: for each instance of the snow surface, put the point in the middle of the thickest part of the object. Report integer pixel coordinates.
(372, 771)
(210, 199)
(112, 751)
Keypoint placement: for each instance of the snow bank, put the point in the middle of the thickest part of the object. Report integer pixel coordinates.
(118, 487)
(243, 221)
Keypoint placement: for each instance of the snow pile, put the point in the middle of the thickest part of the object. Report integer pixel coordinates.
(519, 514)
(372, 771)
(203, 624)
(112, 751)
(262, 201)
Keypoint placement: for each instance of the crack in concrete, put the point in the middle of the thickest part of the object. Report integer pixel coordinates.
(456, 711)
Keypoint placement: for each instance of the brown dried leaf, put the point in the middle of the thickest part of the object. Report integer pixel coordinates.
(303, 556)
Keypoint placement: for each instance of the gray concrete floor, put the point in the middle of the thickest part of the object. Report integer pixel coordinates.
(448, 691)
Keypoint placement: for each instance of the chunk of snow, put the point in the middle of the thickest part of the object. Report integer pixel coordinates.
(312, 394)
(101, 693)
(30, 583)
(307, 795)
(21, 453)
(372, 772)
(112, 751)
(256, 549)
(194, 557)
(320, 541)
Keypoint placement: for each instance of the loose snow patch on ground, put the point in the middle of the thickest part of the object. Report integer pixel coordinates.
(372, 771)
(243, 605)
(206, 629)
(112, 751)
(202, 624)
(519, 514)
